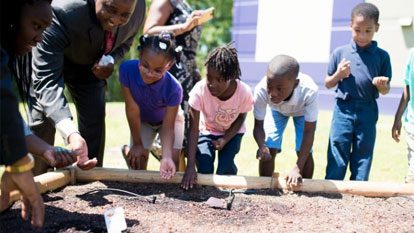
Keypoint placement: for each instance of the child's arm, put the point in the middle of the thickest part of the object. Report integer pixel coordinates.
(231, 132)
(294, 177)
(396, 127)
(134, 121)
(343, 71)
(263, 152)
(167, 166)
(382, 84)
(190, 176)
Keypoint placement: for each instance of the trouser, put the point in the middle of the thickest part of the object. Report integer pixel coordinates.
(352, 139)
(410, 146)
(89, 100)
(205, 155)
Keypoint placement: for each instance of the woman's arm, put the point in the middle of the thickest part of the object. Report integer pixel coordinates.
(158, 14)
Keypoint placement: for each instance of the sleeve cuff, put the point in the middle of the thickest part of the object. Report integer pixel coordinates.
(27, 131)
(66, 127)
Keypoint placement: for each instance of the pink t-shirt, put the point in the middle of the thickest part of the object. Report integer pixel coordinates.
(216, 116)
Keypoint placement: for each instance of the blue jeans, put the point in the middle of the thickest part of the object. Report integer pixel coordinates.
(274, 130)
(206, 155)
(352, 139)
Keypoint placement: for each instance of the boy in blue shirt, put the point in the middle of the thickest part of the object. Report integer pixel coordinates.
(407, 104)
(359, 71)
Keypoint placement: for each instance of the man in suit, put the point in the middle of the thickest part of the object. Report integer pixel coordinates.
(81, 34)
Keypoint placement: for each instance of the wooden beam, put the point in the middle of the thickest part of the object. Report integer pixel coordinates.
(371, 189)
(47, 182)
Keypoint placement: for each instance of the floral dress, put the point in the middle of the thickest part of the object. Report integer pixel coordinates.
(186, 71)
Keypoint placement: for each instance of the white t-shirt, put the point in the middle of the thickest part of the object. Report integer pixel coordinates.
(304, 101)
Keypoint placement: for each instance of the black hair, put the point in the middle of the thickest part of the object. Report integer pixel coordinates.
(368, 10)
(11, 15)
(224, 60)
(282, 65)
(162, 43)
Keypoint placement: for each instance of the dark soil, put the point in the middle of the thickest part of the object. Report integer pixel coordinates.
(80, 208)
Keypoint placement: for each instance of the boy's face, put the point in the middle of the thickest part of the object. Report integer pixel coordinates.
(363, 30)
(279, 88)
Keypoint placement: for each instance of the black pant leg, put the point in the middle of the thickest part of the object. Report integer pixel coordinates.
(89, 100)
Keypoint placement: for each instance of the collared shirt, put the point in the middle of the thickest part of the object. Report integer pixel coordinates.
(366, 64)
(304, 100)
(152, 99)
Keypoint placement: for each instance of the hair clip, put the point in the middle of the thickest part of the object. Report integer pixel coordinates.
(179, 49)
(162, 45)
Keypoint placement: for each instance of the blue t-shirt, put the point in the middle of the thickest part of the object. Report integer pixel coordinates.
(152, 99)
(366, 64)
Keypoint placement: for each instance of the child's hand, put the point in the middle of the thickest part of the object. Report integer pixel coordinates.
(396, 130)
(135, 155)
(103, 71)
(263, 154)
(380, 82)
(219, 143)
(294, 178)
(59, 157)
(189, 178)
(167, 168)
(344, 69)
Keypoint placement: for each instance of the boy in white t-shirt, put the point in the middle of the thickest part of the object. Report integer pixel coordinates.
(288, 93)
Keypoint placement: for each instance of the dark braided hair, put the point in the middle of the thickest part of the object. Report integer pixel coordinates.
(224, 60)
(161, 44)
(368, 10)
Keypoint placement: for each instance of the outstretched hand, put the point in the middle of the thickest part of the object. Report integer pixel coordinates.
(263, 154)
(294, 178)
(189, 179)
(32, 202)
(167, 168)
(78, 145)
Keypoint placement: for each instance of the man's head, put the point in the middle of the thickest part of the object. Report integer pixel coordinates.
(114, 13)
(364, 23)
(282, 74)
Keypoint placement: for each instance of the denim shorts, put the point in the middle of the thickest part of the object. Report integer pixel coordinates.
(274, 126)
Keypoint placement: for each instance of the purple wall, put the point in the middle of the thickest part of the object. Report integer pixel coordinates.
(244, 34)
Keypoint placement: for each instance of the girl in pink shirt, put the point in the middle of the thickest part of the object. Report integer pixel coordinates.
(218, 108)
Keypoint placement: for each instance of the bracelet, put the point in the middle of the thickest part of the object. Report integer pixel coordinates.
(21, 168)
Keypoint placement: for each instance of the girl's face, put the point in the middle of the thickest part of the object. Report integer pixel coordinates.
(114, 13)
(35, 19)
(153, 66)
(216, 83)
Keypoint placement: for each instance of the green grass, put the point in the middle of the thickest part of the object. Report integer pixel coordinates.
(390, 158)
(389, 164)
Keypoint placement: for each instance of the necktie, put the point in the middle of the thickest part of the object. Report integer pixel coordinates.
(109, 40)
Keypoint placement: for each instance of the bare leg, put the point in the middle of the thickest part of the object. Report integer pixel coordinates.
(266, 168)
(307, 171)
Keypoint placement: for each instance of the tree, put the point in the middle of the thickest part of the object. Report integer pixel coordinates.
(215, 33)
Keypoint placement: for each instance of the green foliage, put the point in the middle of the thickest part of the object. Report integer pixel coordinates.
(215, 33)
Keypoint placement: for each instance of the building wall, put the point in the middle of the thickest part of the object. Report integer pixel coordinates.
(393, 37)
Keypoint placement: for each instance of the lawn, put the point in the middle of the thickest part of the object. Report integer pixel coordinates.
(390, 158)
